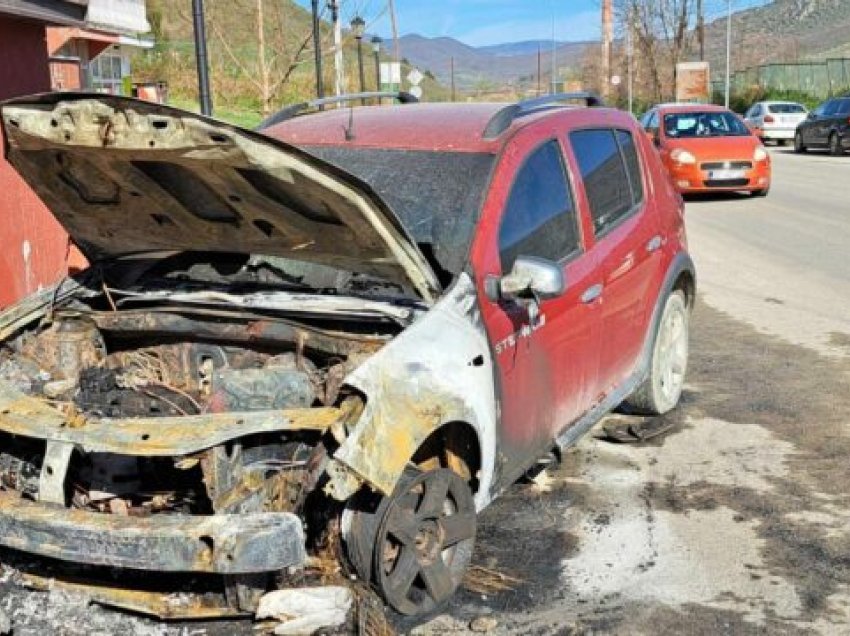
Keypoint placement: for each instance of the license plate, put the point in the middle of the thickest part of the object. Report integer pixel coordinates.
(726, 175)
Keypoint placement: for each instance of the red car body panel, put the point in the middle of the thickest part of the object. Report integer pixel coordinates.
(582, 353)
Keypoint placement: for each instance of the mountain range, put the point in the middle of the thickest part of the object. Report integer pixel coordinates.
(510, 63)
(780, 31)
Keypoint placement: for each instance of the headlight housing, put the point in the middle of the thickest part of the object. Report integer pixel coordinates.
(760, 154)
(683, 157)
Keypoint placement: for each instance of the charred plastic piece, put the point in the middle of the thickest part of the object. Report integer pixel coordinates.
(280, 385)
(67, 347)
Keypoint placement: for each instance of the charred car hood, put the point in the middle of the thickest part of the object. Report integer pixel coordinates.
(125, 176)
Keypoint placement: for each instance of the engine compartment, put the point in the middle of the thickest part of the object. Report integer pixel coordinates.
(116, 366)
(74, 363)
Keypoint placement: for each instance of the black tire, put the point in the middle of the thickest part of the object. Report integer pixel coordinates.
(835, 148)
(799, 147)
(414, 546)
(761, 193)
(781, 142)
(657, 395)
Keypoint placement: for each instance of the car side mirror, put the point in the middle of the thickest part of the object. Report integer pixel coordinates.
(530, 277)
(652, 135)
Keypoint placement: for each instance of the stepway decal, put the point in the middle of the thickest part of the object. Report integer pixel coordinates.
(524, 332)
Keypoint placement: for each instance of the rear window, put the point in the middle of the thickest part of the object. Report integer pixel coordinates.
(785, 109)
(703, 124)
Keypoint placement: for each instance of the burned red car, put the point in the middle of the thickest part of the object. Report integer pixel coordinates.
(359, 323)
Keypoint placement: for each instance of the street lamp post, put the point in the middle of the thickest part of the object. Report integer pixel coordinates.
(317, 50)
(376, 49)
(358, 28)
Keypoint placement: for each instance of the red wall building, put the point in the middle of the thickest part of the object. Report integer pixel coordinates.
(47, 45)
(34, 251)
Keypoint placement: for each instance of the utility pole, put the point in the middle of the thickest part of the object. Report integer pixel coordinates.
(339, 64)
(554, 56)
(701, 30)
(204, 95)
(317, 49)
(630, 54)
(539, 70)
(397, 44)
(454, 88)
(607, 42)
(728, 49)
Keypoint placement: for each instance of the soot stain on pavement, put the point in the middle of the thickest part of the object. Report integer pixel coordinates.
(736, 375)
(801, 398)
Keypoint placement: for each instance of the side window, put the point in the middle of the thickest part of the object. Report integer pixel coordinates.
(652, 122)
(610, 170)
(843, 107)
(630, 155)
(830, 108)
(540, 218)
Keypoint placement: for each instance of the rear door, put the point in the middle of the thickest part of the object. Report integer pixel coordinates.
(628, 244)
(547, 368)
(824, 123)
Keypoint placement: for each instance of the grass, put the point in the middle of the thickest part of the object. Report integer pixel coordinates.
(246, 118)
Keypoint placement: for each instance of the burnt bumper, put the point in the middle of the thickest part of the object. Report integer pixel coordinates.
(217, 544)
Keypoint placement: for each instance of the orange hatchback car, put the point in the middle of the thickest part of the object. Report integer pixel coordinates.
(708, 148)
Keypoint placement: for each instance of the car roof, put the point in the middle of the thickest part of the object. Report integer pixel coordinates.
(449, 127)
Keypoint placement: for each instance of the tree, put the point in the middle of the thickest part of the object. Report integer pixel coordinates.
(263, 51)
(662, 37)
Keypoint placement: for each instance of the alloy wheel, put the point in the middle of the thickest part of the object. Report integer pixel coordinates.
(425, 542)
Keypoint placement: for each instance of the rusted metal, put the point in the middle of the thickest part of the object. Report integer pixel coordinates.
(217, 544)
(176, 606)
(256, 331)
(151, 437)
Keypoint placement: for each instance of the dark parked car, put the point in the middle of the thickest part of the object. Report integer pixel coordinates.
(366, 323)
(827, 127)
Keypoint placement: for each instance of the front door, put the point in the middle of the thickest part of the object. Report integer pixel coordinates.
(546, 366)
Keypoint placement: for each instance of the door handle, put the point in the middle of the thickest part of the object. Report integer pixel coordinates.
(591, 294)
(654, 244)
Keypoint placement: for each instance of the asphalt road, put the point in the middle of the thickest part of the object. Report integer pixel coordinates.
(737, 521)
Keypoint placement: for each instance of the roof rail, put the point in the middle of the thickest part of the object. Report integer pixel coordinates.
(502, 120)
(296, 109)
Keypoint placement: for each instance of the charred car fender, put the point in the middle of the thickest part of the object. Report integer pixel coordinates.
(438, 371)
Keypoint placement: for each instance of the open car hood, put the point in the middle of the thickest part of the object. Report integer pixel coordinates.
(126, 176)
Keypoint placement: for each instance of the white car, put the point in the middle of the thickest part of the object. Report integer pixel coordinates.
(775, 121)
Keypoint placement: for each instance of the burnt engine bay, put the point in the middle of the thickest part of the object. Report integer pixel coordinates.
(106, 368)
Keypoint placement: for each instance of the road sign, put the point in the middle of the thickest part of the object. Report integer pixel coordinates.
(415, 77)
(416, 91)
(615, 80)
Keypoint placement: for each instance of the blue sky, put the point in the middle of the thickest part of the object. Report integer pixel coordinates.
(482, 22)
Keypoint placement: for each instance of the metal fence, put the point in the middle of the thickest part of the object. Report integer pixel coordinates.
(818, 79)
